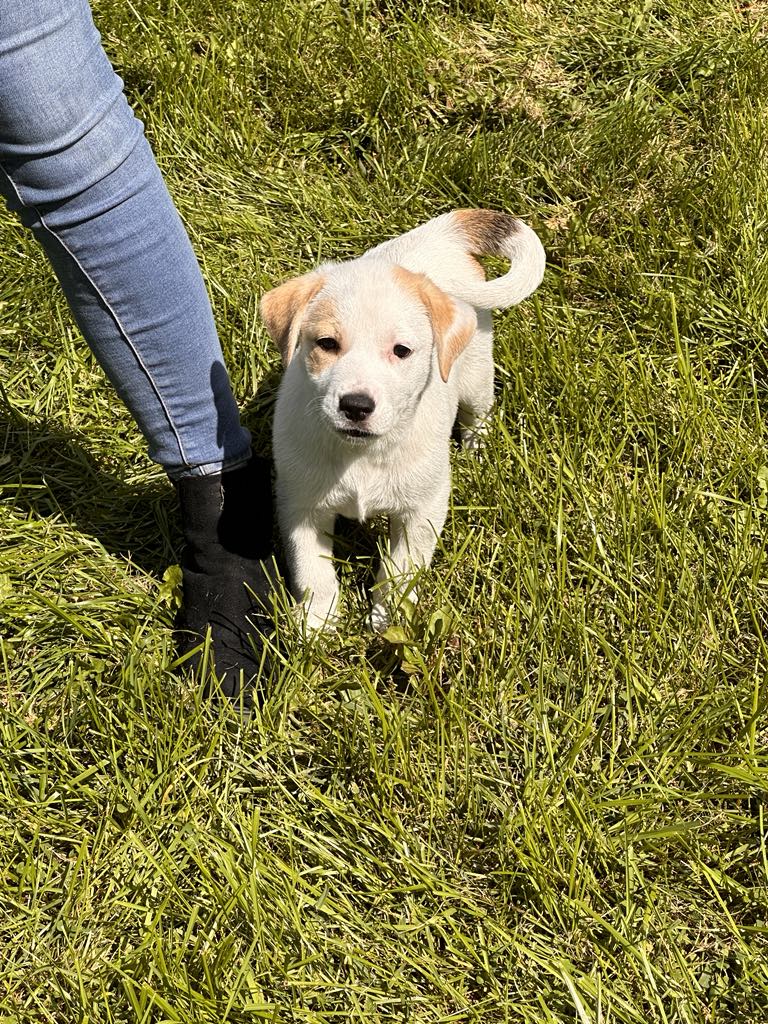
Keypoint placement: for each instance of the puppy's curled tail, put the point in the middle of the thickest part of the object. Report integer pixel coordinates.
(488, 233)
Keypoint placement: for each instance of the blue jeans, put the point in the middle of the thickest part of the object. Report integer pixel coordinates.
(74, 163)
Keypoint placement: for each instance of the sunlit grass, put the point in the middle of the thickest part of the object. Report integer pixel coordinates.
(543, 799)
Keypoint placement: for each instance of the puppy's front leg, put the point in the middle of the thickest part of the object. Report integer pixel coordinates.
(308, 541)
(412, 542)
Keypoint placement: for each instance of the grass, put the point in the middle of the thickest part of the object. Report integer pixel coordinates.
(544, 800)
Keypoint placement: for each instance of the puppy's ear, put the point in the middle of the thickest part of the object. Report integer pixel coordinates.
(453, 324)
(283, 307)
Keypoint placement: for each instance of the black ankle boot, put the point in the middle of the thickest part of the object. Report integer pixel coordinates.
(227, 525)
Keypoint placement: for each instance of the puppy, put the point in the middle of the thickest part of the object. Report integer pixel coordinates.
(381, 355)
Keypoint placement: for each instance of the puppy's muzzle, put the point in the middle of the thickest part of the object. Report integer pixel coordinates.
(357, 406)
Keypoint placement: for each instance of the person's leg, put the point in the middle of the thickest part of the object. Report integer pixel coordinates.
(75, 165)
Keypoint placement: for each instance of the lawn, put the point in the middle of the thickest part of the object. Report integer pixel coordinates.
(543, 797)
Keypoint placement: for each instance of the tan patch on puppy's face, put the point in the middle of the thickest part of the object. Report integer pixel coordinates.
(319, 358)
(282, 309)
(320, 329)
(452, 325)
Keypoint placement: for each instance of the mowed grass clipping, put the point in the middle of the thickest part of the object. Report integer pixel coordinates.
(543, 797)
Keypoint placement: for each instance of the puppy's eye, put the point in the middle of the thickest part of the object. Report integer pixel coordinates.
(328, 344)
(402, 351)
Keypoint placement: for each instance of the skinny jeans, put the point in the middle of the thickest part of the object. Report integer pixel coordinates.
(77, 168)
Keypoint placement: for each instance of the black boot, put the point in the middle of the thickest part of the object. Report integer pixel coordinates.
(227, 524)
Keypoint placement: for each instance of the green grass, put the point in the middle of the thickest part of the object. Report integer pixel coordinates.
(543, 801)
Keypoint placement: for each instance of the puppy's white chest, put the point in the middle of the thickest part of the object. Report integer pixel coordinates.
(352, 506)
(364, 492)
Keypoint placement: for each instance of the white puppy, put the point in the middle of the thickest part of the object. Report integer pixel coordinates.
(382, 353)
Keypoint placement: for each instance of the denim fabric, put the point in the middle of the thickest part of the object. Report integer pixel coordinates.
(76, 166)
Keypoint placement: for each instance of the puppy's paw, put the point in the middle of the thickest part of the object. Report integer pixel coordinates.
(473, 438)
(379, 618)
(312, 621)
(317, 624)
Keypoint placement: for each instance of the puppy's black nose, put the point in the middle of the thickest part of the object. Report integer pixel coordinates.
(356, 406)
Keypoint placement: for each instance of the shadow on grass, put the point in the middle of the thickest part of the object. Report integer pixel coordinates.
(46, 472)
(258, 410)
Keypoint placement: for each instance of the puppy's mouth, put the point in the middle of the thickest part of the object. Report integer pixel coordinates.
(354, 432)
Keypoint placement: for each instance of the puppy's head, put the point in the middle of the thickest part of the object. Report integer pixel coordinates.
(368, 335)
